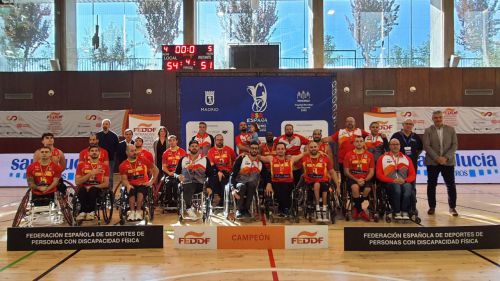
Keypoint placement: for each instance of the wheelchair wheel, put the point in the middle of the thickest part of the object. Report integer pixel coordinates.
(122, 205)
(65, 208)
(21, 210)
(77, 207)
(106, 206)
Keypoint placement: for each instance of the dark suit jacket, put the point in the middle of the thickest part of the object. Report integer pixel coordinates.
(121, 154)
(432, 145)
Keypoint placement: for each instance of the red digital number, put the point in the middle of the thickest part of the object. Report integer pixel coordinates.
(203, 65)
(172, 65)
(210, 48)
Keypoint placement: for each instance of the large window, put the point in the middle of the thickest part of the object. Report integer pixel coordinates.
(477, 32)
(225, 22)
(27, 36)
(130, 33)
(376, 33)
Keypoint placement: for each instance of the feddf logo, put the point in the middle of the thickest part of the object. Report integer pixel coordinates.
(192, 237)
(195, 237)
(304, 236)
(259, 95)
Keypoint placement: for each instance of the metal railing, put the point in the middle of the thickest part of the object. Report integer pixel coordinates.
(89, 64)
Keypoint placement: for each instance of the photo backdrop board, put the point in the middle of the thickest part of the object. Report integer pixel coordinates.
(266, 100)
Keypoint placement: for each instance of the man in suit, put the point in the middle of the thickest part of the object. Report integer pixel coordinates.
(440, 144)
(121, 154)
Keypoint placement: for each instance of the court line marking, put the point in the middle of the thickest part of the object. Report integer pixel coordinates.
(270, 254)
(345, 273)
(56, 265)
(17, 261)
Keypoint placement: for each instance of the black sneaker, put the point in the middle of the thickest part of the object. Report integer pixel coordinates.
(240, 214)
(247, 214)
(431, 211)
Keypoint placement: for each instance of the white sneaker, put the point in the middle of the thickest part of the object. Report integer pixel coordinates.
(405, 216)
(90, 216)
(191, 214)
(131, 215)
(324, 215)
(398, 216)
(138, 215)
(81, 216)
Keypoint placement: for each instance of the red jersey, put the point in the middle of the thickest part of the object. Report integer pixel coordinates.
(345, 140)
(266, 151)
(146, 154)
(136, 171)
(359, 164)
(222, 158)
(242, 139)
(281, 170)
(316, 169)
(85, 167)
(323, 147)
(293, 146)
(84, 155)
(171, 158)
(44, 175)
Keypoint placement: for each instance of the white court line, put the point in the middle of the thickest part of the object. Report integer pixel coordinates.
(188, 275)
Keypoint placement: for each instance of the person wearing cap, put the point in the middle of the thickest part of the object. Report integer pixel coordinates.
(410, 143)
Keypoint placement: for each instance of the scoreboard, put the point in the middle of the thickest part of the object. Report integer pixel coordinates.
(188, 57)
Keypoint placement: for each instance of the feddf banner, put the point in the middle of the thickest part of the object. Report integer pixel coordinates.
(387, 122)
(145, 126)
(466, 120)
(61, 123)
(267, 101)
(13, 168)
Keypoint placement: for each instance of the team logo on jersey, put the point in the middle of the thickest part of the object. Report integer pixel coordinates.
(259, 95)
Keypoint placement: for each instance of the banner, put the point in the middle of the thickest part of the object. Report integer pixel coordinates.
(145, 126)
(421, 238)
(61, 123)
(93, 237)
(387, 121)
(267, 101)
(13, 168)
(195, 237)
(472, 166)
(306, 237)
(466, 120)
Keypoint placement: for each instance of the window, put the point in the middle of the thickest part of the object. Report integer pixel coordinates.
(130, 33)
(225, 22)
(477, 32)
(376, 33)
(27, 36)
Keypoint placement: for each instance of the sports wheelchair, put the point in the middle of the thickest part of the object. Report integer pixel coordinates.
(231, 203)
(346, 202)
(271, 207)
(165, 194)
(123, 206)
(386, 209)
(201, 202)
(57, 209)
(305, 196)
(104, 206)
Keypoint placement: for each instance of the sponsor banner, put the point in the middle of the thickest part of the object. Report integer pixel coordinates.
(94, 237)
(472, 166)
(306, 236)
(421, 238)
(61, 123)
(195, 237)
(250, 237)
(13, 168)
(145, 126)
(466, 120)
(226, 128)
(388, 122)
(266, 100)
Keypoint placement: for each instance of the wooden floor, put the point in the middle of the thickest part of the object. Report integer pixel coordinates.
(477, 205)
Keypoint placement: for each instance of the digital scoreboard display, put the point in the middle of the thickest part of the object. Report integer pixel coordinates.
(188, 57)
